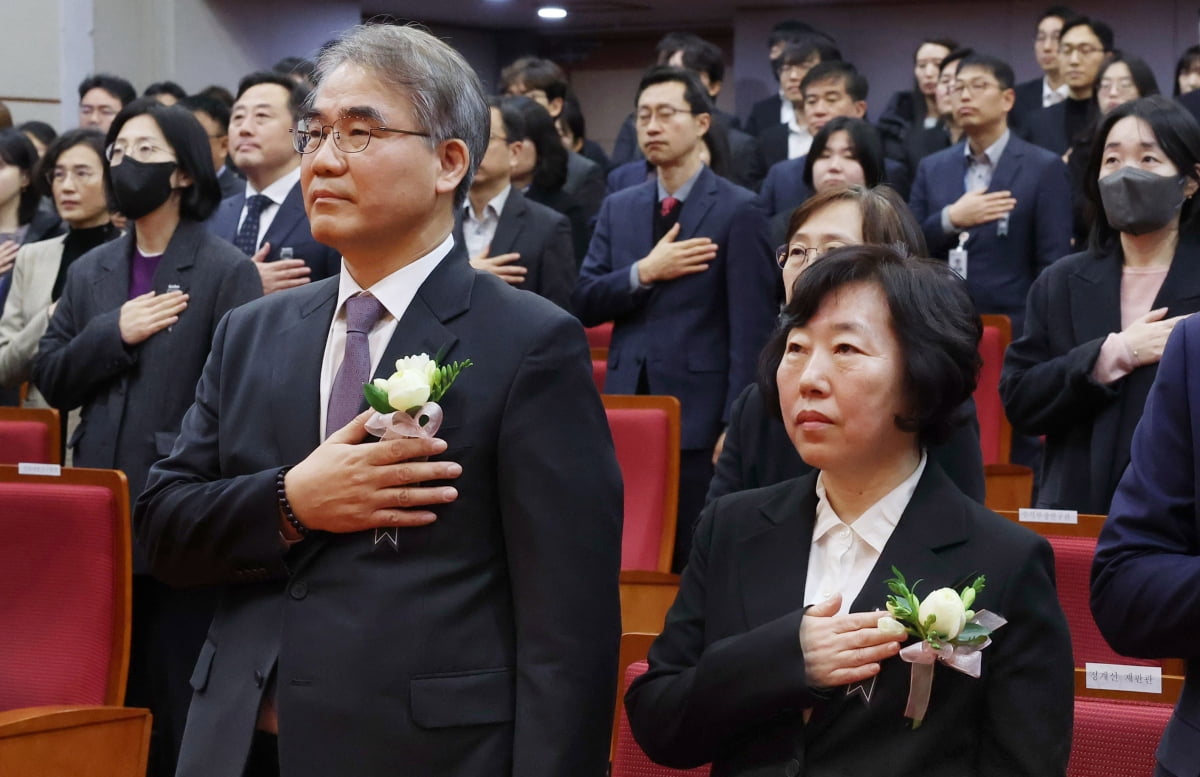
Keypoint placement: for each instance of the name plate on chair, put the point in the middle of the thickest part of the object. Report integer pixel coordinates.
(29, 468)
(1030, 515)
(1123, 677)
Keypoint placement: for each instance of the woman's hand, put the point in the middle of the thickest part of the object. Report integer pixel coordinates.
(842, 649)
(1147, 336)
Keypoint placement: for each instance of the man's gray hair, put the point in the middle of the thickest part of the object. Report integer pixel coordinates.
(446, 94)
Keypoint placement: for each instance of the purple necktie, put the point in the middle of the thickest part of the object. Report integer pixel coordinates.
(346, 397)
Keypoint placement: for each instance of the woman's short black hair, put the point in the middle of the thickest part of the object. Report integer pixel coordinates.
(1178, 135)
(932, 316)
(83, 136)
(864, 139)
(1143, 77)
(189, 141)
(551, 171)
(18, 151)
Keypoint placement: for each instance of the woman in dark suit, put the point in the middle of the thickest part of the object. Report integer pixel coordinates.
(1096, 321)
(756, 450)
(127, 342)
(771, 660)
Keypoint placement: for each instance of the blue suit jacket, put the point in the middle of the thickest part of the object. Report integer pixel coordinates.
(1146, 575)
(696, 337)
(630, 174)
(289, 228)
(784, 188)
(1000, 267)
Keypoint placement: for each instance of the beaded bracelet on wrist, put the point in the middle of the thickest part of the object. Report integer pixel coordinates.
(285, 506)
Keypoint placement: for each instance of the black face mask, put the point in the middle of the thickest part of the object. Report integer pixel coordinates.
(1138, 201)
(141, 187)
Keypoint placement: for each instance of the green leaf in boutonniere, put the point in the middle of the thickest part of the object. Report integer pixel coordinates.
(444, 377)
(377, 398)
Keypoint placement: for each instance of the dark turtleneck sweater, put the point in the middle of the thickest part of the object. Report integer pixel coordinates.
(77, 243)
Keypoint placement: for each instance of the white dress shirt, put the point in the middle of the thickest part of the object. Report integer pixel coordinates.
(396, 292)
(799, 138)
(478, 230)
(842, 555)
(1052, 96)
(276, 193)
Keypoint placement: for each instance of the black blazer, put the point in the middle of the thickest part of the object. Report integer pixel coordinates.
(727, 684)
(764, 114)
(1027, 103)
(1047, 386)
(758, 451)
(1047, 128)
(482, 645)
(288, 228)
(133, 397)
(542, 236)
(773, 144)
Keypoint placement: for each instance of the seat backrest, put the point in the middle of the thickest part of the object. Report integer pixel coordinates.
(599, 373)
(1116, 737)
(995, 432)
(30, 434)
(599, 336)
(630, 760)
(645, 431)
(65, 584)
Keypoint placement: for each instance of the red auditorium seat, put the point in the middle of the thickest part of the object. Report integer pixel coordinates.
(645, 431)
(1116, 737)
(1009, 486)
(629, 760)
(30, 434)
(599, 336)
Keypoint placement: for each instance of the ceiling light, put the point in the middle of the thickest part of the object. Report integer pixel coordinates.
(552, 12)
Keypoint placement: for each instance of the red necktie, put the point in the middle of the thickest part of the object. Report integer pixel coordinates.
(668, 206)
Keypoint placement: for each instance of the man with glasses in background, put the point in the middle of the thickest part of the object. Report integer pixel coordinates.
(1050, 88)
(681, 264)
(267, 220)
(101, 98)
(1082, 49)
(996, 207)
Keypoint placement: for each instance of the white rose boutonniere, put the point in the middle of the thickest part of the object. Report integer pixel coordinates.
(406, 404)
(950, 632)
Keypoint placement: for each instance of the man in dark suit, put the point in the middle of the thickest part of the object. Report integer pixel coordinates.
(682, 267)
(213, 115)
(376, 620)
(704, 60)
(1083, 47)
(830, 89)
(1050, 89)
(267, 221)
(793, 137)
(1005, 202)
(1146, 559)
(769, 111)
(519, 241)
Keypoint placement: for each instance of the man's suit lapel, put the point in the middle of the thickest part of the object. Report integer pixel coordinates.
(512, 221)
(298, 352)
(699, 202)
(225, 220)
(773, 561)
(638, 229)
(289, 215)
(1009, 165)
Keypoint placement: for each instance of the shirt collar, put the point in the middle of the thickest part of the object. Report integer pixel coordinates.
(495, 204)
(1062, 91)
(876, 524)
(682, 192)
(396, 290)
(279, 189)
(993, 151)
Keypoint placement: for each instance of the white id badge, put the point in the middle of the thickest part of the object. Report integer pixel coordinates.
(958, 256)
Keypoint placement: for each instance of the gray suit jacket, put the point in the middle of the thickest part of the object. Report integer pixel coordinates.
(133, 397)
(585, 182)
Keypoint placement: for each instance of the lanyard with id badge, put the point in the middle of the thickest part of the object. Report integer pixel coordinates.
(958, 255)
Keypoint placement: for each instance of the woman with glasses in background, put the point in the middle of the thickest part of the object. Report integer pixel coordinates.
(72, 171)
(127, 342)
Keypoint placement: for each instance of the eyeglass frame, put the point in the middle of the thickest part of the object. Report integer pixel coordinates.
(958, 87)
(62, 173)
(121, 151)
(811, 254)
(657, 112)
(1084, 50)
(296, 136)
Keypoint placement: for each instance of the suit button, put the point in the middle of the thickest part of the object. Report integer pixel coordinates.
(258, 678)
(793, 768)
(299, 590)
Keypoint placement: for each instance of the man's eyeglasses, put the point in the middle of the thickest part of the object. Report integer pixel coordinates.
(103, 110)
(663, 113)
(975, 87)
(1083, 49)
(351, 134)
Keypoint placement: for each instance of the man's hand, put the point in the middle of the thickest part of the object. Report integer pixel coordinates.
(843, 649)
(501, 266)
(670, 260)
(8, 255)
(345, 487)
(1147, 336)
(974, 208)
(281, 273)
(148, 313)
